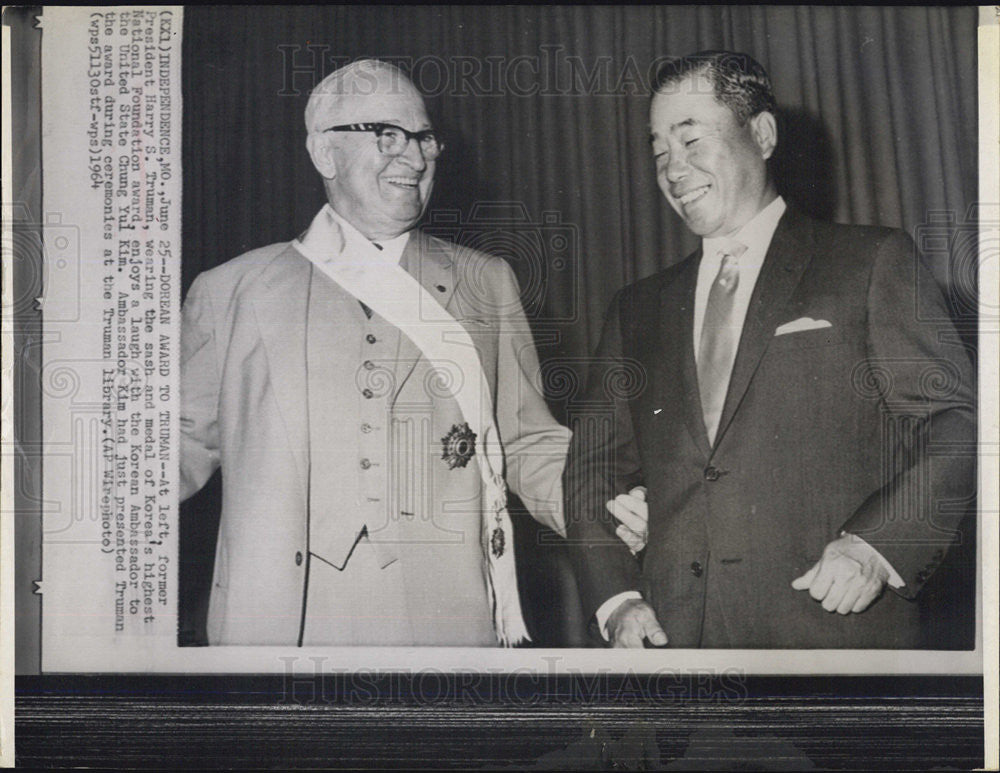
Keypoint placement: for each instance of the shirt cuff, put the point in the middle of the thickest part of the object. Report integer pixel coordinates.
(895, 581)
(604, 611)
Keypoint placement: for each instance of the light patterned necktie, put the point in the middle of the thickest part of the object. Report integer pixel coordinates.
(720, 335)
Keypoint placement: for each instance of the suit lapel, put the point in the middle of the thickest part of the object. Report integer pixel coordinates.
(787, 258)
(280, 309)
(430, 263)
(678, 373)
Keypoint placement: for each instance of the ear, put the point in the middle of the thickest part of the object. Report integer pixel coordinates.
(764, 129)
(321, 151)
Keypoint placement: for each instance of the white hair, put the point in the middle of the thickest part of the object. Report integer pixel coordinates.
(361, 77)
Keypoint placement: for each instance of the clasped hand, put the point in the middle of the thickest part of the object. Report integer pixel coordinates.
(632, 514)
(848, 578)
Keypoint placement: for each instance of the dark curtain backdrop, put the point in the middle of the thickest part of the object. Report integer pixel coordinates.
(545, 108)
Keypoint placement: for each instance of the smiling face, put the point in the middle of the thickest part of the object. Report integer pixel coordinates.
(711, 169)
(382, 196)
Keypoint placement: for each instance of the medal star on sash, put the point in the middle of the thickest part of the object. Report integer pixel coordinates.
(459, 445)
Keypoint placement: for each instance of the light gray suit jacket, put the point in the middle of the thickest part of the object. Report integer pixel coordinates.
(361, 429)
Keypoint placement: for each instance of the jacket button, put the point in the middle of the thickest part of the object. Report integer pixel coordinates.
(370, 338)
(712, 473)
(922, 577)
(298, 558)
(365, 464)
(369, 394)
(696, 568)
(366, 427)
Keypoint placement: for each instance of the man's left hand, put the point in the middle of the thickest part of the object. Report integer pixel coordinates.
(848, 578)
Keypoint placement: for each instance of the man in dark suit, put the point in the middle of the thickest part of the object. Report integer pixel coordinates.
(803, 439)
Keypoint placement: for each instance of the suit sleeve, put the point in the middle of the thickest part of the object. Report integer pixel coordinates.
(928, 398)
(603, 461)
(199, 454)
(535, 444)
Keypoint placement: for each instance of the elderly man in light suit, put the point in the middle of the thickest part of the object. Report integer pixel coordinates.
(369, 392)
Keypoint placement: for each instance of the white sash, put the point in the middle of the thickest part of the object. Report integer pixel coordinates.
(357, 265)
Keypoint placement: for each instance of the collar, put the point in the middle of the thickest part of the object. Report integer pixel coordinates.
(392, 249)
(756, 234)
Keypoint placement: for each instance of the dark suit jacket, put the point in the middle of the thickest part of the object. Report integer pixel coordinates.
(865, 425)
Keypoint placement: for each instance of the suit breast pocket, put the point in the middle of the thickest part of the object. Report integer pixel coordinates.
(809, 339)
(811, 360)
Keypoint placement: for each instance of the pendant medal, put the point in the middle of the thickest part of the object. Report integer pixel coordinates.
(497, 542)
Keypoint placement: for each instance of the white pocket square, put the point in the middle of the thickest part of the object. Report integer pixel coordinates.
(801, 324)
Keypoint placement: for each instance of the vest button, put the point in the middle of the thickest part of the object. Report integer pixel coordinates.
(696, 568)
(370, 338)
(366, 464)
(712, 473)
(367, 393)
(366, 427)
(298, 558)
(369, 365)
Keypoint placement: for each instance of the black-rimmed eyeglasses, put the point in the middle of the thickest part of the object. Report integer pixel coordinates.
(393, 140)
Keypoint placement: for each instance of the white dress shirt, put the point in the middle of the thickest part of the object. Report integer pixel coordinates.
(756, 236)
(392, 249)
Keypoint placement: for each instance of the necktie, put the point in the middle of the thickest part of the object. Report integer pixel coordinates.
(720, 335)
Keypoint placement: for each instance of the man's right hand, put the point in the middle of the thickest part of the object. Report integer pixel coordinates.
(633, 621)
